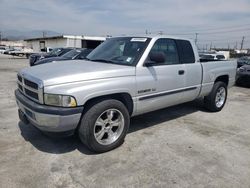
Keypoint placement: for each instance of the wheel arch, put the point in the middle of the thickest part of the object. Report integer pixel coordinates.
(123, 97)
(222, 78)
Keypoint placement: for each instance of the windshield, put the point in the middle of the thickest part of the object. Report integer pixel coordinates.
(55, 51)
(71, 54)
(120, 50)
(248, 62)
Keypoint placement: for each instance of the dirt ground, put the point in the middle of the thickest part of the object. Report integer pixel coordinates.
(181, 146)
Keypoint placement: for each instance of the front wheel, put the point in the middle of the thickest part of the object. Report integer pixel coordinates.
(216, 100)
(104, 125)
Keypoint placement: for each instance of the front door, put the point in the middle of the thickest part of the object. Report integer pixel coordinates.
(161, 85)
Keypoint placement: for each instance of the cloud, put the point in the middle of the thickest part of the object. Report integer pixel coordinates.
(123, 16)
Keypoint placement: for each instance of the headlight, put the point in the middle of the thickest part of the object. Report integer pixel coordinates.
(59, 100)
(42, 57)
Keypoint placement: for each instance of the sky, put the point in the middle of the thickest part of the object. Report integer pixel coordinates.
(216, 22)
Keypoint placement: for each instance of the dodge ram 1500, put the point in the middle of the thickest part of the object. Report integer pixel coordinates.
(123, 77)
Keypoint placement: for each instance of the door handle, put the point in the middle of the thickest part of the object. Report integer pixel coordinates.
(181, 72)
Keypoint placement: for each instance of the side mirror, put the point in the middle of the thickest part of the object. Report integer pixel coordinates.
(155, 58)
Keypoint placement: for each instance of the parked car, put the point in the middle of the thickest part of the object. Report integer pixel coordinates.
(74, 54)
(211, 57)
(243, 75)
(2, 50)
(54, 53)
(243, 61)
(21, 52)
(121, 78)
(8, 51)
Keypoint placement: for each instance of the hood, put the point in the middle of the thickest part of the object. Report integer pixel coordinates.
(74, 71)
(38, 54)
(44, 54)
(50, 59)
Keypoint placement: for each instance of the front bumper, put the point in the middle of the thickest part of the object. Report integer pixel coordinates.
(48, 118)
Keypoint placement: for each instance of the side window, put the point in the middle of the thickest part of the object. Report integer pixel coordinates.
(186, 52)
(84, 53)
(169, 48)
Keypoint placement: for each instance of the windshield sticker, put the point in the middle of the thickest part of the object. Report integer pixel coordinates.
(138, 39)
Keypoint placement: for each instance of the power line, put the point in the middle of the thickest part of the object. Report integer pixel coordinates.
(226, 38)
(228, 31)
(211, 33)
(217, 28)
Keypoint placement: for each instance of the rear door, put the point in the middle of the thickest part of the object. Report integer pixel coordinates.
(193, 70)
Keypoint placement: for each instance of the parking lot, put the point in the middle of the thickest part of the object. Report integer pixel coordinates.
(181, 146)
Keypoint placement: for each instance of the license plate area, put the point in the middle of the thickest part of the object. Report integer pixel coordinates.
(30, 114)
(22, 117)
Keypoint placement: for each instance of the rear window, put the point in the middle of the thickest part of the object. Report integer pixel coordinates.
(186, 53)
(220, 57)
(207, 57)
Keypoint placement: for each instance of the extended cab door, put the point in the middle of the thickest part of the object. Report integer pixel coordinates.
(160, 84)
(193, 69)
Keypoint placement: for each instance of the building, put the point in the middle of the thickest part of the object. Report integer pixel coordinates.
(13, 44)
(38, 44)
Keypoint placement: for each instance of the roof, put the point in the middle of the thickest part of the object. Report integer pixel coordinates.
(155, 36)
(81, 37)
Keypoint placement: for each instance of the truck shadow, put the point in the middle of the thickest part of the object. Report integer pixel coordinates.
(49, 144)
(153, 118)
(64, 145)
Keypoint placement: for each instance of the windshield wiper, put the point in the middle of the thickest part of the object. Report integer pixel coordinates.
(85, 58)
(103, 60)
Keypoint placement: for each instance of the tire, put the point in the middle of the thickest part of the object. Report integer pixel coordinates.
(107, 133)
(214, 102)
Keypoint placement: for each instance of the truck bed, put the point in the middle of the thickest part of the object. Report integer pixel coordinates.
(214, 69)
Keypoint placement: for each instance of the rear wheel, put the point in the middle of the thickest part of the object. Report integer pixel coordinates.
(216, 100)
(104, 125)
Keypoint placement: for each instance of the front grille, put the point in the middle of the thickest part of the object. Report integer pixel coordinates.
(20, 87)
(30, 84)
(29, 89)
(19, 78)
(31, 94)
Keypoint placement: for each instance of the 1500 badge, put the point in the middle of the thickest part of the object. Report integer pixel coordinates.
(146, 90)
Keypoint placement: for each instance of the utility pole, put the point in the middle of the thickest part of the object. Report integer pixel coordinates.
(211, 46)
(44, 34)
(0, 37)
(196, 38)
(242, 43)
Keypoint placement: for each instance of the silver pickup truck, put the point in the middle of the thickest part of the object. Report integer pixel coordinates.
(123, 77)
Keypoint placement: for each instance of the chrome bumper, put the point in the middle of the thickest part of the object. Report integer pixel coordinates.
(47, 118)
